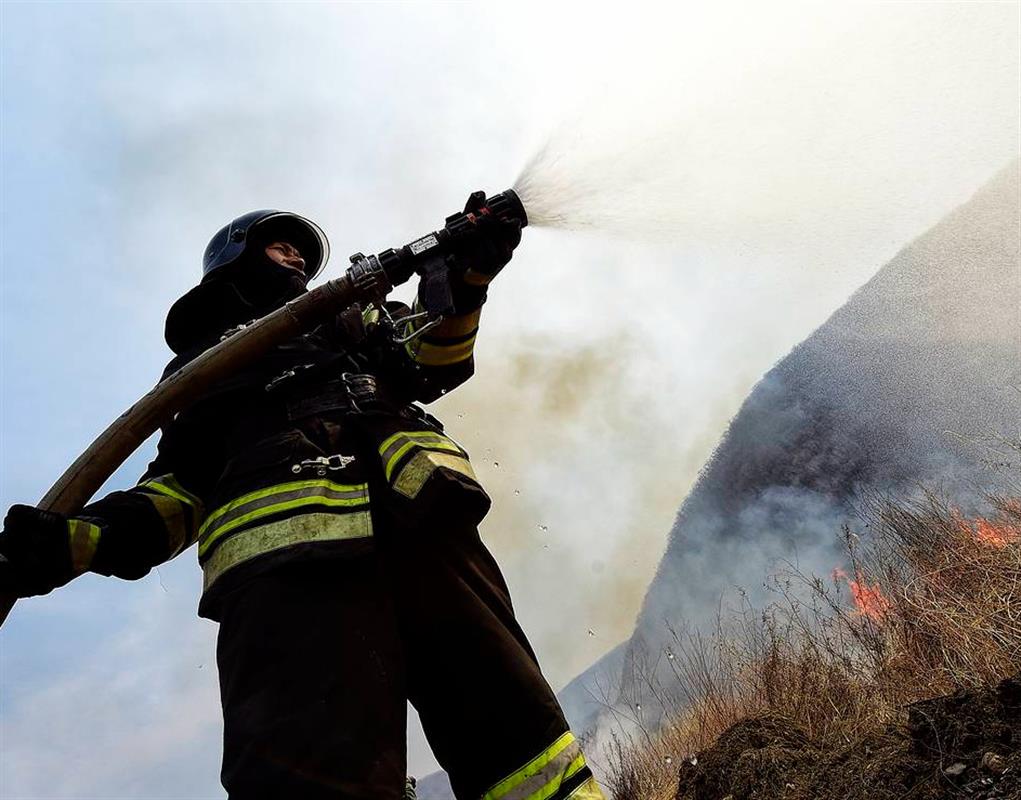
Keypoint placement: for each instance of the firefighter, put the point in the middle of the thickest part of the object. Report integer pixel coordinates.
(336, 528)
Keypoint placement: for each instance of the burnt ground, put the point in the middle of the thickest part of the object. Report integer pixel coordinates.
(964, 745)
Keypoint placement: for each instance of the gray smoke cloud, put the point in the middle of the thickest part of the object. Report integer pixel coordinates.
(892, 395)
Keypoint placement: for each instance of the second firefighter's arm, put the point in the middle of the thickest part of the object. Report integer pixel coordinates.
(127, 533)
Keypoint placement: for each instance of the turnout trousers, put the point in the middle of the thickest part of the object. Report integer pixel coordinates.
(317, 661)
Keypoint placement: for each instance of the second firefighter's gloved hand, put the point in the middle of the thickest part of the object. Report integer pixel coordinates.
(36, 551)
(479, 259)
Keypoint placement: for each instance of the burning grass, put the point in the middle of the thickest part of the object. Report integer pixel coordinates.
(928, 603)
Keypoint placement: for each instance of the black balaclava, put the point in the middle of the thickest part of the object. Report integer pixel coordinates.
(251, 287)
(263, 283)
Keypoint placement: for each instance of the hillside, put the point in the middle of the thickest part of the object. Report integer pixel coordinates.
(908, 384)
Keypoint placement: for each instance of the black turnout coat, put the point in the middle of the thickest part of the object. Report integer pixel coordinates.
(287, 460)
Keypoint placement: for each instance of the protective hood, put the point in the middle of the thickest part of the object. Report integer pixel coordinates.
(201, 316)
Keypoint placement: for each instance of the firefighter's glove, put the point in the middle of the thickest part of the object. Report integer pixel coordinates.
(36, 552)
(480, 258)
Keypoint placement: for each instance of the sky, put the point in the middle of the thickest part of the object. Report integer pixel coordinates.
(723, 179)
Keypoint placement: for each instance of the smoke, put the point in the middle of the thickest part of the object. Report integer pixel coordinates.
(578, 443)
(884, 399)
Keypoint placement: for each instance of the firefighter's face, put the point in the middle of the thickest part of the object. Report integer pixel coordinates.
(286, 255)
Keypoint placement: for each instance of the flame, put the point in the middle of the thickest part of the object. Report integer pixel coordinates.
(991, 533)
(869, 601)
(996, 535)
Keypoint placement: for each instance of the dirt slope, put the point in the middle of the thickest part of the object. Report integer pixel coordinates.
(964, 745)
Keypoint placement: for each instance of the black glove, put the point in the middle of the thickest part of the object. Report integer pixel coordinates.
(481, 257)
(36, 552)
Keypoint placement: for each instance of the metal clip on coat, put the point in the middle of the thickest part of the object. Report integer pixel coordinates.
(285, 375)
(323, 464)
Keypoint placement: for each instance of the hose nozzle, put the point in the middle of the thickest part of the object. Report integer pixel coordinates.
(401, 263)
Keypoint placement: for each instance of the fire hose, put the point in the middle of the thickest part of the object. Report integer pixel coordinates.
(368, 280)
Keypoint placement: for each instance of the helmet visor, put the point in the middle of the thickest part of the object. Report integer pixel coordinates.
(302, 233)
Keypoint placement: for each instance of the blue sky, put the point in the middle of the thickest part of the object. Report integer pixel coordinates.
(788, 155)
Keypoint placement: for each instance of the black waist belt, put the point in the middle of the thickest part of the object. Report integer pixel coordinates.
(353, 393)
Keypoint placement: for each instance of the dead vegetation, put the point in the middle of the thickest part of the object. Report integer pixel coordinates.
(828, 693)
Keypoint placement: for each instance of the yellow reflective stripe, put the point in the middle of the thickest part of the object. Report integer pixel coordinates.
(572, 769)
(536, 774)
(553, 784)
(277, 508)
(399, 438)
(284, 533)
(456, 326)
(589, 790)
(424, 439)
(168, 485)
(178, 527)
(356, 499)
(280, 488)
(436, 355)
(416, 472)
(84, 539)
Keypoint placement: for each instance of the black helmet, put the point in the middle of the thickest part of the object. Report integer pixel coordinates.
(264, 227)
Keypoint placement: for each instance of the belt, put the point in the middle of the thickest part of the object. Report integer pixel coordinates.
(352, 393)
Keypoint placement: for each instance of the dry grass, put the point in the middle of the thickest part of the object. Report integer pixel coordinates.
(931, 604)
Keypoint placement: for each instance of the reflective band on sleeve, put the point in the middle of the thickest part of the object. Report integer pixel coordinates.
(277, 499)
(276, 535)
(416, 472)
(84, 538)
(450, 342)
(587, 790)
(438, 355)
(456, 327)
(542, 777)
(169, 486)
(177, 520)
(394, 448)
(180, 510)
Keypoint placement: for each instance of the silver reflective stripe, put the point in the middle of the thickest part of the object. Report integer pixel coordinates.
(284, 533)
(416, 472)
(550, 778)
(276, 499)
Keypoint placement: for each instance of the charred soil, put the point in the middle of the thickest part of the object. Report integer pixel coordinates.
(963, 745)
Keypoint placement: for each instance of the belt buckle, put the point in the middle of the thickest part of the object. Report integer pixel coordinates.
(360, 387)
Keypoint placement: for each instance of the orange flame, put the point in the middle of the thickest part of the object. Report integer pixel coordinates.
(988, 532)
(869, 601)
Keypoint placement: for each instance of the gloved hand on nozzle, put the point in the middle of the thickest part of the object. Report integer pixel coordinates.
(36, 550)
(480, 258)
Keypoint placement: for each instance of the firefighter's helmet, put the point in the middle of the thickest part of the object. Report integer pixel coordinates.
(263, 227)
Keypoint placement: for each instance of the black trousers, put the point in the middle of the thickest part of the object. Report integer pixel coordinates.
(318, 660)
